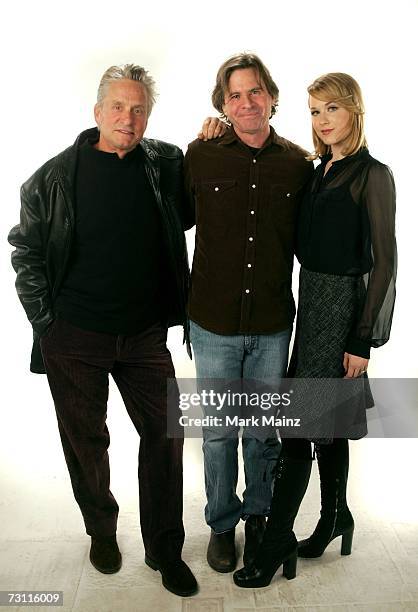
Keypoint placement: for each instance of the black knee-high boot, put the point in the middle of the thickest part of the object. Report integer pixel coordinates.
(336, 519)
(279, 545)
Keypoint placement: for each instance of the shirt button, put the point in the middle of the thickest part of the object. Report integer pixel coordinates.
(216, 188)
(247, 291)
(248, 265)
(252, 212)
(253, 186)
(250, 238)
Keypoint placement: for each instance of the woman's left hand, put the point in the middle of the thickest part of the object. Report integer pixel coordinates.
(354, 365)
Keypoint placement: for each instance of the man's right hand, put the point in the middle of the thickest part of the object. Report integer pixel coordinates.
(212, 128)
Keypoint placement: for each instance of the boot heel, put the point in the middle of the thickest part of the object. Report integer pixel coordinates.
(289, 566)
(151, 563)
(346, 541)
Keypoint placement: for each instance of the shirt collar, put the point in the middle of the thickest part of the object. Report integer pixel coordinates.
(230, 136)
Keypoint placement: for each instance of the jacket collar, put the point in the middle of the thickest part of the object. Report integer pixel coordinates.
(148, 150)
(91, 134)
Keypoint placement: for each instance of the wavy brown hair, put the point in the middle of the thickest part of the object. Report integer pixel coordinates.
(241, 61)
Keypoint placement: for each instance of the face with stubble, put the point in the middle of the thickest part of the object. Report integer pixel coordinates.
(247, 103)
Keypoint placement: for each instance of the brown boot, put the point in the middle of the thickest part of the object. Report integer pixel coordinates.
(221, 553)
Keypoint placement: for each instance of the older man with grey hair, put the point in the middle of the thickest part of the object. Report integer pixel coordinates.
(102, 272)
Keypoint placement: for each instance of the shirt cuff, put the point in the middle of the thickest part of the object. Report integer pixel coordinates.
(358, 347)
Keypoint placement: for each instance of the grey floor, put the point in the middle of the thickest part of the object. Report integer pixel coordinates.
(43, 546)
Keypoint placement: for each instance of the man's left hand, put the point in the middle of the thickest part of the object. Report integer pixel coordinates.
(212, 128)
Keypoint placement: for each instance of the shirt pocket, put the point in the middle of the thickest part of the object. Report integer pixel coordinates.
(216, 201)
(283, 205)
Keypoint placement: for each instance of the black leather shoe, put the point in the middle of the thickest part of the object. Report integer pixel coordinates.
(221, 554)
(177, 577)
(105, 554)
(255, 526)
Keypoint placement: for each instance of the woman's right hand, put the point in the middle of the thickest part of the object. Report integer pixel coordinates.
(212, 128)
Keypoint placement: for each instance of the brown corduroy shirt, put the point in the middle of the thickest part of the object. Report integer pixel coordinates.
(245, 207)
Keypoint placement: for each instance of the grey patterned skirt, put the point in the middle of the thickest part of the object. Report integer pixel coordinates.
(328, 307)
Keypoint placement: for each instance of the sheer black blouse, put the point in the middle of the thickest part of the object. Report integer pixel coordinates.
(347, 227)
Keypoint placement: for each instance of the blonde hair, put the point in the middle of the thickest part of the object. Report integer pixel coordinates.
(344, 90)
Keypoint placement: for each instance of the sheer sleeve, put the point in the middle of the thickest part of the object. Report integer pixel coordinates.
(375, 316)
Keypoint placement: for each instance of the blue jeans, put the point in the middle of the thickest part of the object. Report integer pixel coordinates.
(260, 357)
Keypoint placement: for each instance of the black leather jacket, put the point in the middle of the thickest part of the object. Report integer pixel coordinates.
(44, 237)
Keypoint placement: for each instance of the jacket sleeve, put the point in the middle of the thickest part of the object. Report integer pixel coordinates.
(375, 319)
(185, 212)
(28, 259)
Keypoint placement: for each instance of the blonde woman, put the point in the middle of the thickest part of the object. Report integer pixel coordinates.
(347, 250)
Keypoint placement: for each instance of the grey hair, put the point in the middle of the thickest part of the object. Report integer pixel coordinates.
(132, 72)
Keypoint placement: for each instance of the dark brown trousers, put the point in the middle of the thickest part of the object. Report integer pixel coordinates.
(78, 364)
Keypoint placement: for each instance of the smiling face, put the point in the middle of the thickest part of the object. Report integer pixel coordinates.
(122, 116)
(331, 123)
(248, 105)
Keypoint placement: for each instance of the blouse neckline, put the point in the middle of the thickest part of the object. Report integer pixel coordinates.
(345, 160)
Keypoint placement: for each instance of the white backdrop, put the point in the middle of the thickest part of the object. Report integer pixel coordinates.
(54, 53)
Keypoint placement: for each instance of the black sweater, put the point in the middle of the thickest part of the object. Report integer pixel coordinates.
(115, 275)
